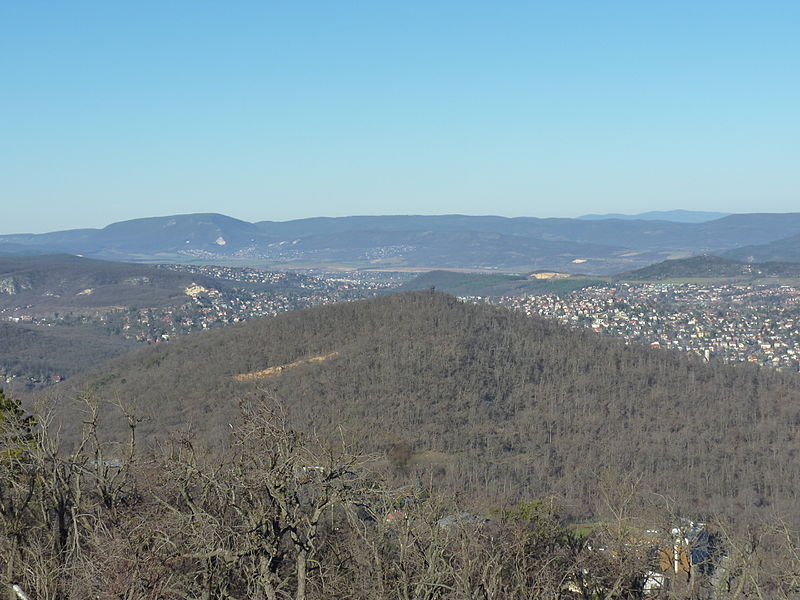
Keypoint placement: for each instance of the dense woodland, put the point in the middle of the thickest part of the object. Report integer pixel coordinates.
(40, 352)
(278, 513)
(492, 405)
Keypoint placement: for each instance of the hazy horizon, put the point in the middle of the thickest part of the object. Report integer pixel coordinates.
(161, 216)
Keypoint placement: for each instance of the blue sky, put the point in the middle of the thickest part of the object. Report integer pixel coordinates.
(281, 110)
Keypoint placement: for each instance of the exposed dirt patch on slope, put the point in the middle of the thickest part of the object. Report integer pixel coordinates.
(274, 371)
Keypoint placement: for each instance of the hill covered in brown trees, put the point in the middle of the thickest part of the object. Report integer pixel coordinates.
(483, 401)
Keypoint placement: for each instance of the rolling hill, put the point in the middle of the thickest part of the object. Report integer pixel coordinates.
(641, 235)
(492, 403)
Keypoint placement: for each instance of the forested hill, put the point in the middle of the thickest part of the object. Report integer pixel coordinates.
(491, 402)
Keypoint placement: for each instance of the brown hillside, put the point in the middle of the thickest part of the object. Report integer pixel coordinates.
(516, 407)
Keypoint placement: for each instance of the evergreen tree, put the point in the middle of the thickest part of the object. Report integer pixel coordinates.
(16, 429)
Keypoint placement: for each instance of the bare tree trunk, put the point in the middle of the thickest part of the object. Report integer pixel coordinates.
(301, 575)
(10, 594)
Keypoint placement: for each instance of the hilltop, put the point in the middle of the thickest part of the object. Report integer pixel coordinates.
(151, 239)
(491, 402)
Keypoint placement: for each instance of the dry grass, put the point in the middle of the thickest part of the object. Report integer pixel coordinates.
(277, 370)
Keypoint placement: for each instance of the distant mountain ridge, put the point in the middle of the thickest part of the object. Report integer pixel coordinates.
(521, 244)
(677, 216)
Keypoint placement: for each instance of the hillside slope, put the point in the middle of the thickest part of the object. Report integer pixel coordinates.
(492, 402)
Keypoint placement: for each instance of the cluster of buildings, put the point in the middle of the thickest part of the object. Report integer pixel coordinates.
(264, 293)
(738, 323)
(324, 282)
